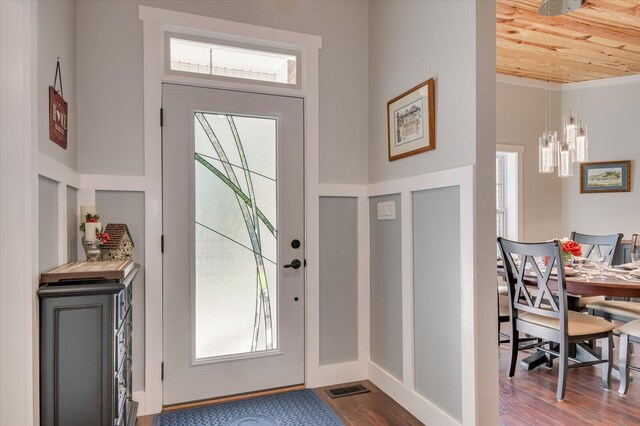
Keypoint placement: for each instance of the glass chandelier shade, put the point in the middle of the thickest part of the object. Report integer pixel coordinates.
(582, 144)
(570, 133)
(547, 148)
(565, 160)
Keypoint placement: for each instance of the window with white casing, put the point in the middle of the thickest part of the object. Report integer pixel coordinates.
(500, 196)
(507, 195)
(189, 55)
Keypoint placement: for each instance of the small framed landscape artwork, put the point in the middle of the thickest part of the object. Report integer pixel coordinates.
(608, 176)
(411, 121)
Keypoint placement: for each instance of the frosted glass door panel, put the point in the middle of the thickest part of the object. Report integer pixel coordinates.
(236, 288)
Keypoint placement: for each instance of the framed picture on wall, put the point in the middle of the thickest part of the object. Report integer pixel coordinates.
(411, 121)
(606, 176)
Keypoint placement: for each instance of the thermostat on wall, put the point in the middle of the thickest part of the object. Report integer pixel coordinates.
(387, 210)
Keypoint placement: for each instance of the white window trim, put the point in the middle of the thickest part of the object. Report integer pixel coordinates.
(155, 23)
(514, 172)
(503, 157)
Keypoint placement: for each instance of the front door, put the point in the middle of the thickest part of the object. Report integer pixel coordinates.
(233, 225)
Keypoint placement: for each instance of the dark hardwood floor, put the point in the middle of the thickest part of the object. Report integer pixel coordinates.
(369, 409)
(375, 408)
(529, 397)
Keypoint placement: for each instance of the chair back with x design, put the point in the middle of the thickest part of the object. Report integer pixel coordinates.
(529, 267)
(594, 246)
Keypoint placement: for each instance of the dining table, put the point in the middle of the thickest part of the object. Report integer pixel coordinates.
(616, 282)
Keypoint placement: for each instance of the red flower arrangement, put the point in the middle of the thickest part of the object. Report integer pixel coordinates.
(571, 247)
(568, 248)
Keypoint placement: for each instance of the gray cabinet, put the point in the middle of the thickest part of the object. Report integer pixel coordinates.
(85, 353)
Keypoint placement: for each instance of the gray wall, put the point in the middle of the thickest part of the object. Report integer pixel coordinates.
(128, 207)
(409, 42)
(47, 224)
(338, 280)
(386, 288)
(57, 38)
(521, 116)
(454, 43)
(613, 116)
(110, 77)
(72, 225)
(436, 275)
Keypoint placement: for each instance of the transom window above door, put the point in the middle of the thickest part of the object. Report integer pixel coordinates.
(190, 55)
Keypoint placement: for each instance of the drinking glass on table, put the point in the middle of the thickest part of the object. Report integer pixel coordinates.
(635, 259)
(578, 264)
(601, 264)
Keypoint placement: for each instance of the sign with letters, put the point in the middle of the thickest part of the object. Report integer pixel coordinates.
(57, 118)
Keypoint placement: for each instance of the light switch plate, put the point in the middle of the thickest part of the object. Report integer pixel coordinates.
(387, 210)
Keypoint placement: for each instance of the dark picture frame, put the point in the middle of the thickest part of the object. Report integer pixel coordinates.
(407, 131)
(605, 177)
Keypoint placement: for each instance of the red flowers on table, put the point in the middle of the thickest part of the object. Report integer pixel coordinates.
(571, 247)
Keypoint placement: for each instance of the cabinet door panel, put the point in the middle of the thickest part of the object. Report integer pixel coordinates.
(77, 340)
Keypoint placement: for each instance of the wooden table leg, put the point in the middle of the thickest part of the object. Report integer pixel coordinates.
(539, 358)
(534, 360)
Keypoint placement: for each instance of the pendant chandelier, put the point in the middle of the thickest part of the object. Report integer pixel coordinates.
(573, 147)
(563, 153)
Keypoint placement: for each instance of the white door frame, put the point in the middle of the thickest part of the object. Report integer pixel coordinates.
(155, 23)
(19, 384)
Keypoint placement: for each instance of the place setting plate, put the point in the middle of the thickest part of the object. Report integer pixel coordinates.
(568, 272)
(626, 267)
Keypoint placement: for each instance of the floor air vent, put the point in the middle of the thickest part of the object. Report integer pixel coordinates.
(347, 391)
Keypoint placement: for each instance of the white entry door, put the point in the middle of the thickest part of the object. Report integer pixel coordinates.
(233, 225)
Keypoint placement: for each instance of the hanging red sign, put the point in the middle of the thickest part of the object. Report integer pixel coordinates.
(57, 111)
(57, 118)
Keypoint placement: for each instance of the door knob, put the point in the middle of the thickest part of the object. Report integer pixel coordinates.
(295, 264)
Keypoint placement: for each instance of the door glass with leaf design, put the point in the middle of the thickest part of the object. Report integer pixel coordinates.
(233, 202)
(235, 237)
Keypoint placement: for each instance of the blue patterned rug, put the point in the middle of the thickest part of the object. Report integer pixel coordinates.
(296, 408)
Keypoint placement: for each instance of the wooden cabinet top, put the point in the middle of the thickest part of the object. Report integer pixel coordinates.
(82, 271)
(91, 286)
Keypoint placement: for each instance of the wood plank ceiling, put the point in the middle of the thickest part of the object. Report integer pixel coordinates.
(600, 40)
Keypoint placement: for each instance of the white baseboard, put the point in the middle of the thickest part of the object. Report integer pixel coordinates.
(139, 397)
(424, 410)
(340, 373)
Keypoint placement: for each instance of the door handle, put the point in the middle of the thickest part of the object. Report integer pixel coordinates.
(295, 264)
